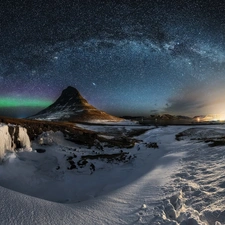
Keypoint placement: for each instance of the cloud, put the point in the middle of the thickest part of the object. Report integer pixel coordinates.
(198, 100)
(154, 111)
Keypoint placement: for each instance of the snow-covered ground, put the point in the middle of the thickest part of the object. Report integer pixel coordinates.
(180, 182)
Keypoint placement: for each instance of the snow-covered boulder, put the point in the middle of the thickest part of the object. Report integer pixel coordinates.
(51, 138)
(13, 137)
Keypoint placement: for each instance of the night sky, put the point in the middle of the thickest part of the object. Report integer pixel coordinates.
(125, 57)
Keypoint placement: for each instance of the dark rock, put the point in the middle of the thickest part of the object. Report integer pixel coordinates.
(92, 168)
(217, 143)
(58, 167)
(40, 150)
(81, 163)
(72, 165)
(69, 158)
(152, 145)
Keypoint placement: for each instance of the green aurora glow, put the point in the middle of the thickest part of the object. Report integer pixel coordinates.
(8, 102)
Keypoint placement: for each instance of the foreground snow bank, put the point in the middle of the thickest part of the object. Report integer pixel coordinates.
(13, 137)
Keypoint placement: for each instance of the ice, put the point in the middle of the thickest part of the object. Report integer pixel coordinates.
(8, 142)
(24, 139)
(5, 140)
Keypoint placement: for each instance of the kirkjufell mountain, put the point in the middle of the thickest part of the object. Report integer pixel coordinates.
(72, 107)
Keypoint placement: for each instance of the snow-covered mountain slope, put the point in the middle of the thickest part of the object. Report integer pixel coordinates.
(168, 183)
(13, 137)
(71, 106)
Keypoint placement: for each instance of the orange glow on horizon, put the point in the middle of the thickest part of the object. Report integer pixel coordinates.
(212, 117)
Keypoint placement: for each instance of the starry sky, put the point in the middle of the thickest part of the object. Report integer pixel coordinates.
(125, 57)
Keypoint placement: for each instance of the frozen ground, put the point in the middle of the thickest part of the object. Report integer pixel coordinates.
(180, 182)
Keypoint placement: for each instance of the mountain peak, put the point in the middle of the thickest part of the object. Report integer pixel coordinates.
(71, 91)
(72, 96)
(71, 106)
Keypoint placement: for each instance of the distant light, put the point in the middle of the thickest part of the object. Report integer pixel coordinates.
(94, 84)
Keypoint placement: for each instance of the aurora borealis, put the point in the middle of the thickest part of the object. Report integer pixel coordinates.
(18, 107)
(126, 57)
(28, 102)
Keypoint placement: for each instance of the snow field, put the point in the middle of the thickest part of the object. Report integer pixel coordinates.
(178, 183)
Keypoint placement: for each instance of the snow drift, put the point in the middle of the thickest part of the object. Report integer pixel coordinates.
(13, 137)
